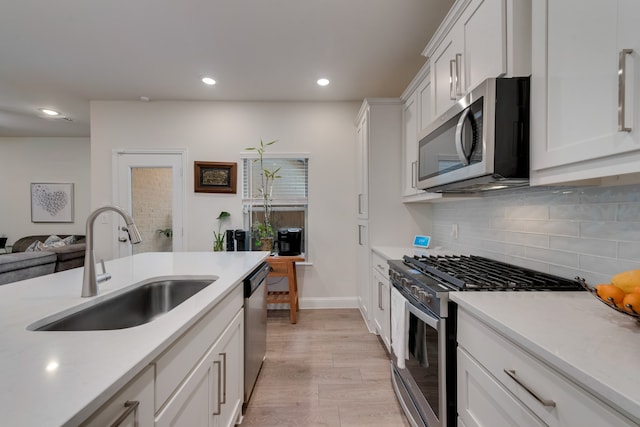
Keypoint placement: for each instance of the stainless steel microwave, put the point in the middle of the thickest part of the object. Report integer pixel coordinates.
(479, 144)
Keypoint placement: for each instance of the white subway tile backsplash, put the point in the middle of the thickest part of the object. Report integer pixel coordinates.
(549, 256)
(527, 212)
(629, 251)
(629, 212)
(606, 248)
(624, 231)
(589, 232)
(603, 212)
(527, 239)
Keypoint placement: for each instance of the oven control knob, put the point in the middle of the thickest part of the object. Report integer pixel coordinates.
(404, 281)
(414, 289)
(425, 296)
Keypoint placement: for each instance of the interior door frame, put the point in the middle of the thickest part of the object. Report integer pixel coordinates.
(179, 241)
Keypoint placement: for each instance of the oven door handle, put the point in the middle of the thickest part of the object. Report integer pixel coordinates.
(429, 320)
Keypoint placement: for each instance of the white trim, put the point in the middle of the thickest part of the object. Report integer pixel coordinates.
(327, 302)
(271, 155)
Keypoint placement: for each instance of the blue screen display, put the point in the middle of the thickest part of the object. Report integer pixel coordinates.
(421, 241)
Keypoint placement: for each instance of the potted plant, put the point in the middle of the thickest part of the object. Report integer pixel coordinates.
(166, 232)
(218, 238)
(264, 229)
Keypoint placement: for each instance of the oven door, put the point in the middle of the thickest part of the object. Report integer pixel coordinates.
(421, 384)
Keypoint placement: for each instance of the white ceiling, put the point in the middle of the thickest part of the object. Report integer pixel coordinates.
(61, 54)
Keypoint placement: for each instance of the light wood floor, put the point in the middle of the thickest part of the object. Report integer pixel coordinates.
(326, 370)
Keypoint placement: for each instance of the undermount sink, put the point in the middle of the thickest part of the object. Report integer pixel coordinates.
(135, 307)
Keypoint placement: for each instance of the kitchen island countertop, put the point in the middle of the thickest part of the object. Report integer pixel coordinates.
(60, 378)
(591, 344)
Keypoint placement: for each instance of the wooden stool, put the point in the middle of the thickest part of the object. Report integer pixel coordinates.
(285, 266)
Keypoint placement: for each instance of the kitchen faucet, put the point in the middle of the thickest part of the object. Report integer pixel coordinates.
(91, 277)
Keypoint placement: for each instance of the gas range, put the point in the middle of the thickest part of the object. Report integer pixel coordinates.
(428, 278)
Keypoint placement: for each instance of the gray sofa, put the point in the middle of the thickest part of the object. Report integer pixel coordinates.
(26, 265)
(21, 265)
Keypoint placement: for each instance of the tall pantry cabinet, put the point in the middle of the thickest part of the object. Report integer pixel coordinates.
(382, 219)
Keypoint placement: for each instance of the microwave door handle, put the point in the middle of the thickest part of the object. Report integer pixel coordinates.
(459, 141)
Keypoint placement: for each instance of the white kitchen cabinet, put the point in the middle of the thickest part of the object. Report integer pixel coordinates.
(131, 406)
(362, 165)
(211, 395)
(416, 115)
(381, 296)
(585, 110)
(477, 39)
(388, 221)
(363, 271)
(502, 384)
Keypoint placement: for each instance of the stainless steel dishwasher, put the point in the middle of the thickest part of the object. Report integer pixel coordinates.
(255, 327)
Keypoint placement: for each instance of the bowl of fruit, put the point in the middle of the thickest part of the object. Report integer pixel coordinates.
(622, 294)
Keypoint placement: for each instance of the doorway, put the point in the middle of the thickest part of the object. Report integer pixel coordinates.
(150, 185)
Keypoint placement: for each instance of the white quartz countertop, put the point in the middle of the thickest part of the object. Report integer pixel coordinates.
(59, 378)
(397, 252)
(595, 346)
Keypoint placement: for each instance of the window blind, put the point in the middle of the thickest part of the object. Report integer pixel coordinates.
(291, 188)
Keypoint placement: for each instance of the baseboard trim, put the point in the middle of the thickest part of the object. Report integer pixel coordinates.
(327, 302)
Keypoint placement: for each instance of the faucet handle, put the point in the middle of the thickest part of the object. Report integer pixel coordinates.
(104, 276)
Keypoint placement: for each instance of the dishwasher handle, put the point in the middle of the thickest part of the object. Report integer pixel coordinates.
(255, 279)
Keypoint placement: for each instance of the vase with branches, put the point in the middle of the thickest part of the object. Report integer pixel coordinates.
(264, 228)
(218, 238)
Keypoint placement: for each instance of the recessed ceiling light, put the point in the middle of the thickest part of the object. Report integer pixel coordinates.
(208, 81)
(323, 82)
(49, 112)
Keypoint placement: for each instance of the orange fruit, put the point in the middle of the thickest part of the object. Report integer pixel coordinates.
(636, 290)
(627, 280)
(632, 299)
(610, 293)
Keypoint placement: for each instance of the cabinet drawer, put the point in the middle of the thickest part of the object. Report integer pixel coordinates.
(139, 391)
(567, 404)
(380, 264)
(173, 366)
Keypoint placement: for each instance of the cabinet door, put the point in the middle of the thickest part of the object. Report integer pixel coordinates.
(446, 72)
(483, 26)
(409, 140)
(191, 403)
(424, 99)
(362, 265)
(362, 166)
(577, 48)
(132, 406)
(483, 402)
(230, 354)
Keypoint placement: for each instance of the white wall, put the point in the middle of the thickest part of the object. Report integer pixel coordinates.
(219, 131)
(27, 160)
(589, 232)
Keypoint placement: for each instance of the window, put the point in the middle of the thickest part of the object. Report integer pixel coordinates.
(289, 193)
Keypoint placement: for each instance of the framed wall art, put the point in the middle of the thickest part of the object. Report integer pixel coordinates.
(215, 177)
(51, 202)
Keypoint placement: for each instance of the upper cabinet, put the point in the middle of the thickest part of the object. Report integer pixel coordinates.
(362, 163)
(585, 90)
(478, 39)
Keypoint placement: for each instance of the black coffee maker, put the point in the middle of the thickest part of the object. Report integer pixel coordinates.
(289, 241)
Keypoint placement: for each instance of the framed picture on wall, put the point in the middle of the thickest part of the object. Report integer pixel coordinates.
(51, 202)
(215, 177)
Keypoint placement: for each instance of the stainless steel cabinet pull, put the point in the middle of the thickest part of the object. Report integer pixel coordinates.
(622, 72)
(360, 241)
(544, 402)
(452, 95)
(131, 406)
(224, 378)
(218, 411)
(458, 75)
(380, 296)
(360, 203)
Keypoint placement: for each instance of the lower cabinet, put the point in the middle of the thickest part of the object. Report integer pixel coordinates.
(381, 299)
(132, 406)
(212, 394)
(501, 384)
